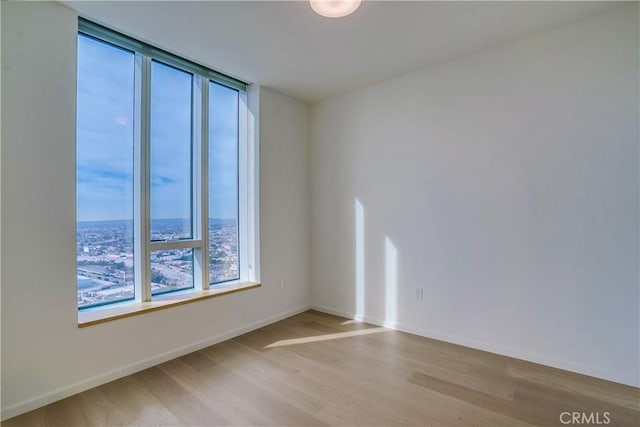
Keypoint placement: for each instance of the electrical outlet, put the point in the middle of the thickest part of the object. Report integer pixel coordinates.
(420, 294)
(281, 284)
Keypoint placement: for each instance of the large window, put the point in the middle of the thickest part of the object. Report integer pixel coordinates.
(223, 183)
(160, 173)
(104, 173)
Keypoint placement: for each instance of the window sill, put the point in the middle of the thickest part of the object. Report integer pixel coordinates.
(101, 315)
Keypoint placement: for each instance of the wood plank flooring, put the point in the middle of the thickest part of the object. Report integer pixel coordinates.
(318, 369)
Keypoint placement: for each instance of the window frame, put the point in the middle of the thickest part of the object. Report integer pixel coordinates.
(247, 173)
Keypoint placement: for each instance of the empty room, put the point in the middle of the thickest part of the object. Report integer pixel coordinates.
(320, 212)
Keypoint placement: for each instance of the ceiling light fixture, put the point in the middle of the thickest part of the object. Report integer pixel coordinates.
(334, 8)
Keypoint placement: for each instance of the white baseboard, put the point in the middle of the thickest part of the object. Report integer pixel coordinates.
(335, 312)
(61, 393)
(541, 360)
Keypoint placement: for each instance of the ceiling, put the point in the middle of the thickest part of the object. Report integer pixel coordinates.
(286, 46)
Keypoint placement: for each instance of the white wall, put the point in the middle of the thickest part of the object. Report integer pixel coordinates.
(506, 185)
(284, 199)
(44, 355)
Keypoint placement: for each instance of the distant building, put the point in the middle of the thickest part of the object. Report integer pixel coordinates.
(84, 282)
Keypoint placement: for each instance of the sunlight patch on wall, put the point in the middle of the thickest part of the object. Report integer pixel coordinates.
(391, 284)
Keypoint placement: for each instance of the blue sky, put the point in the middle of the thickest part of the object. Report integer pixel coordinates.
(105, 138)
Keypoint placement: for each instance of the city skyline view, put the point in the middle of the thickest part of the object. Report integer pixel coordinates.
(105, 164)
(105, 258)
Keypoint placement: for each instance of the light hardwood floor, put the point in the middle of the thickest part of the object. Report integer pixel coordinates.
(318, 369)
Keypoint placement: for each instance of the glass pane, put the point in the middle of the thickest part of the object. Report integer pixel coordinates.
(223, 184)
(170, 153)
(171, 270)
(104, 173)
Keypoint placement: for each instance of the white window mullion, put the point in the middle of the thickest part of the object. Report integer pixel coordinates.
(175, 244)
(198, 183)
(246, 250)
(142, 178)
(204, 180)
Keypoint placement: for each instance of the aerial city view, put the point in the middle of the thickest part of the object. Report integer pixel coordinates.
(105, 170)
(105, 259)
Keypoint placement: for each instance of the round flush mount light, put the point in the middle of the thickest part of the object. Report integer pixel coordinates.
(334, 8)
